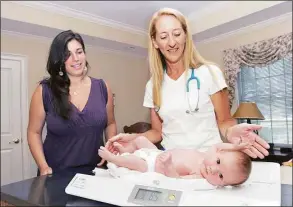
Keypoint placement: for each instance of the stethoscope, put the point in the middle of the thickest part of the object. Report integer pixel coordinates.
(190, 111)
(192, 77)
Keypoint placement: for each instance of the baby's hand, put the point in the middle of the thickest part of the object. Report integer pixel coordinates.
(105, 154)
(110, 146)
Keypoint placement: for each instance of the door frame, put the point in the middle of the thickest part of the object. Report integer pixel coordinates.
(27, 158)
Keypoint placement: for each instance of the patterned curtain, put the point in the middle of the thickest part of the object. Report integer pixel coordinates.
(257, 54)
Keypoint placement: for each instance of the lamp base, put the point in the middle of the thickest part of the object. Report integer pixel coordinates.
(249, 122)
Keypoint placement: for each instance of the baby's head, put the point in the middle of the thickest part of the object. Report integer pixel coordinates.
(226, 168)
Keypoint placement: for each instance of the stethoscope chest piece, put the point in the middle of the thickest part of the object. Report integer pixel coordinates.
(192, 111)
(157, 109)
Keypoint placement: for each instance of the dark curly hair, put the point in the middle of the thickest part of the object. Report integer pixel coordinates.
(59, 85)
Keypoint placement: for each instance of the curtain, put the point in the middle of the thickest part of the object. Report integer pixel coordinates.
(256, 54)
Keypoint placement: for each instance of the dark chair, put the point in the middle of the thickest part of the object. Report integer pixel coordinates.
(140, 127)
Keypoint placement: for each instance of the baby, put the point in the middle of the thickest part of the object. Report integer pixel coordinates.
(223, 164)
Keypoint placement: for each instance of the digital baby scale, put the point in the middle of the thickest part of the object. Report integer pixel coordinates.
(263, 188)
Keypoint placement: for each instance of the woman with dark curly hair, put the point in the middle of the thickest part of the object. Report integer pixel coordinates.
(76, 108)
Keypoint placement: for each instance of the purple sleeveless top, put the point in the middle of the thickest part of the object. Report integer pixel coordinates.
(73, 144)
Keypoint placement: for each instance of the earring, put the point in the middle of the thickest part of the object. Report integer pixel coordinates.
(60, 72)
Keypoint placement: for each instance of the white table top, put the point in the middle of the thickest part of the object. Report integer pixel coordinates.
(286, 175)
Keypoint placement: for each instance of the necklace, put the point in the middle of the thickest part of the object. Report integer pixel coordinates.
(75, 92)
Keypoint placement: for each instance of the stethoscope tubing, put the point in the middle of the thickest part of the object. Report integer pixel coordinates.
(192, 77)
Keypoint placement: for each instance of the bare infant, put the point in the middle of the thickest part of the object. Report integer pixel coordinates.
(223, 164)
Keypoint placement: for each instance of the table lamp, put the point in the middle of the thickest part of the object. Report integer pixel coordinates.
(248, 111)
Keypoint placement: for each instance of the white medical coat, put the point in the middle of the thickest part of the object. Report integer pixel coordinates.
(182, 130)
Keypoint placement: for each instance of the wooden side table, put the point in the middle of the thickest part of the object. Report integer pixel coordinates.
(4, 203)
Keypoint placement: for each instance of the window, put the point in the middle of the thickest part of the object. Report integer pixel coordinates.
(270, 87)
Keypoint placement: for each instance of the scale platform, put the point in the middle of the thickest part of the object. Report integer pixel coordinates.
(263, 188)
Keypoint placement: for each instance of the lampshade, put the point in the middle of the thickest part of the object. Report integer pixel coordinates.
(248, 110)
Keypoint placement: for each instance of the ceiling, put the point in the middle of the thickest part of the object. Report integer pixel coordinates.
(122, 25)
(135, 14)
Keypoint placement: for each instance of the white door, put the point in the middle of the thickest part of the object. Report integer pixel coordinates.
(11, 143)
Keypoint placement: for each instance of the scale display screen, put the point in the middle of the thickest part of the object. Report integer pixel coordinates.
(148, 195)
(153, 196)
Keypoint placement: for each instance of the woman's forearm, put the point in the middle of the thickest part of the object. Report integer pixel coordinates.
(36, 147)
(111, 130)
(153, 135)
(224, 126)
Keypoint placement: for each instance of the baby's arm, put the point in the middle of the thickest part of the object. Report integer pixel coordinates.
(133, 145)
(131, 162)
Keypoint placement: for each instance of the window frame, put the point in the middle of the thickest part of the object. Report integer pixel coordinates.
(278, 146)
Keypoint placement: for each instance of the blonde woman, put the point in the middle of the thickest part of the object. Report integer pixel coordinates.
(187, 114)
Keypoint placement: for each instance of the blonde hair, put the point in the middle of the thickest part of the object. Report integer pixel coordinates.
(191, 57)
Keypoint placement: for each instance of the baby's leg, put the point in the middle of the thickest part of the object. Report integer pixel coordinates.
(165, 166)
(131, 162)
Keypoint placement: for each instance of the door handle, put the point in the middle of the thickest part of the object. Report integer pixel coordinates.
(15, 141)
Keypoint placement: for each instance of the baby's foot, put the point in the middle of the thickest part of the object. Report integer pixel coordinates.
(163, 162)
(165, 158)
(106, 154)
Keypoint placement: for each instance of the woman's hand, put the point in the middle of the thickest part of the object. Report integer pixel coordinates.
(46, 171)
(122, 138)
(244, 133)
